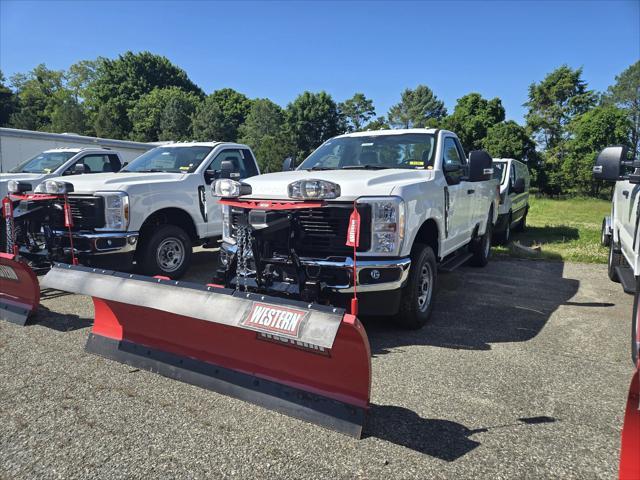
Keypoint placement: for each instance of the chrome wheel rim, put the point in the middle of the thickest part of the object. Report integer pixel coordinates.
(170, 254)
(425, 287)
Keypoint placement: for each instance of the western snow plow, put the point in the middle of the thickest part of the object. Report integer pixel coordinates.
(30, 247)
(306, 360)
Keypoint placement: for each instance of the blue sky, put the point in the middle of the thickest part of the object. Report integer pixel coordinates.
(279, 49)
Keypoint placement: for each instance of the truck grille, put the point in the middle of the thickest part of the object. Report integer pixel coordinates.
(324, 230)
(87, 212)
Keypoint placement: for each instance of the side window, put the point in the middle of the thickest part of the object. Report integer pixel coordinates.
(242, 160)
(114, 161)
(95, 163)
(512, 174)
(451, 157)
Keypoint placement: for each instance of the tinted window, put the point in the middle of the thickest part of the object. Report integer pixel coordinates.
(243, 163)
(499, 170)
(96, 163)
(451, 155)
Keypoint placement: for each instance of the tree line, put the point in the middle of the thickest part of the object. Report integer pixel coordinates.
(144, 97)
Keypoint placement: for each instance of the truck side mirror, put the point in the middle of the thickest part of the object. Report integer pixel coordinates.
(79, 169)
(608, 165)
(480, 166)
(226, 169)
(519, 186)
(210, 176)
(288, 164)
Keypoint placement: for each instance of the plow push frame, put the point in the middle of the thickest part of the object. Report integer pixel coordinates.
(308, 361)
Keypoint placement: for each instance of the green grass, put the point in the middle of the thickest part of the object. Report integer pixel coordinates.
(565, 230)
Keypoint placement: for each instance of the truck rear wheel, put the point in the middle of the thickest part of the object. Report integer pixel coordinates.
(481, 246)
(167, 252)
(416, 303)
(615, 259)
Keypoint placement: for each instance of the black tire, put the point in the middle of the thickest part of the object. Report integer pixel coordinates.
(522, 224)
(634, 326)
(481, 246)
(504, 237)
(166, 251)
(605, 237)
(615, 259)
(416, 305)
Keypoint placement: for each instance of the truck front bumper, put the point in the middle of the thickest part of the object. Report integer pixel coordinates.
(373, 275)
(102, 243)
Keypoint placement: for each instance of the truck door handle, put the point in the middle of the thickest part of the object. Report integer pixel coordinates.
(471, 191)
(625, 193)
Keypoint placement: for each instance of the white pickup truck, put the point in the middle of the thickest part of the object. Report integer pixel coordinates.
(62, 161)
(153, 211)
(422, 204)
(624, 222)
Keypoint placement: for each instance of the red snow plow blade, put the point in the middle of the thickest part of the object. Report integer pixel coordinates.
(19, 290)
(308, 361)
(630, 448)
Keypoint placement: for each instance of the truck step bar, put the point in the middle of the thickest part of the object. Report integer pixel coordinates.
(454, 262)
(627, 279)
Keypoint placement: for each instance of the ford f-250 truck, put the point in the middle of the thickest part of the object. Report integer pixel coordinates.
(422, 205)
(150, 214)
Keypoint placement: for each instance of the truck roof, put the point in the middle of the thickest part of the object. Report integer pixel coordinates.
(399, 131)
(78, 149)
(196, 144)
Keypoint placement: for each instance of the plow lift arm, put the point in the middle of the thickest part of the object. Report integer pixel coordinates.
(305, 360)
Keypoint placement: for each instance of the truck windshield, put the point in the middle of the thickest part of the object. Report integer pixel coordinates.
(169, 159)
(499, 169)
(411, 150)
(45, 162)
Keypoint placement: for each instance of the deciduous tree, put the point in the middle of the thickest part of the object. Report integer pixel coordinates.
(472, 117)
(626, 95)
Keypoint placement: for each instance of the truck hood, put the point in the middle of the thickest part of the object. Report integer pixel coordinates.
(353, 183)
(125, 181)
(34, 178)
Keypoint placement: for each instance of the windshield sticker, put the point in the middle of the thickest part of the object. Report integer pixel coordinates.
(370, 144)
(416, 163)
(46, 170)
(184, 169)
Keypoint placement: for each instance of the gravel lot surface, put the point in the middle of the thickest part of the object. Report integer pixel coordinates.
(522, 372)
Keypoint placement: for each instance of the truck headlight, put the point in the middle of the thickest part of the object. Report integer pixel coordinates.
(313, 190)
(54, 187)
(15, 186)
(227, 233)
(226, 188)
(116, 210)
(387, 224)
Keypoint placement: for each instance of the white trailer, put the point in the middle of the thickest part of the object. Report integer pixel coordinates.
(17, 145)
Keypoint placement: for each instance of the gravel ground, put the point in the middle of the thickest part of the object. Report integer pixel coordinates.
(522, 372)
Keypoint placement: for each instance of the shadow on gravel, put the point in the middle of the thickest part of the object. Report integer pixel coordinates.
(507, 301)
(437, 438)
(58, 321)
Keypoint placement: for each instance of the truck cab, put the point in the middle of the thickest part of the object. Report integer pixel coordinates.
(62, 162)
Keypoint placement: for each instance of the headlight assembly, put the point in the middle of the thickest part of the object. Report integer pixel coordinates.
(228, 188)
(54, 187)
(116, 210)
(15, 186)
(387, 224)
(313, 190)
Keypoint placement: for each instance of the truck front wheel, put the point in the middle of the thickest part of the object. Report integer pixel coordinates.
(167, 252)
(416, 303)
